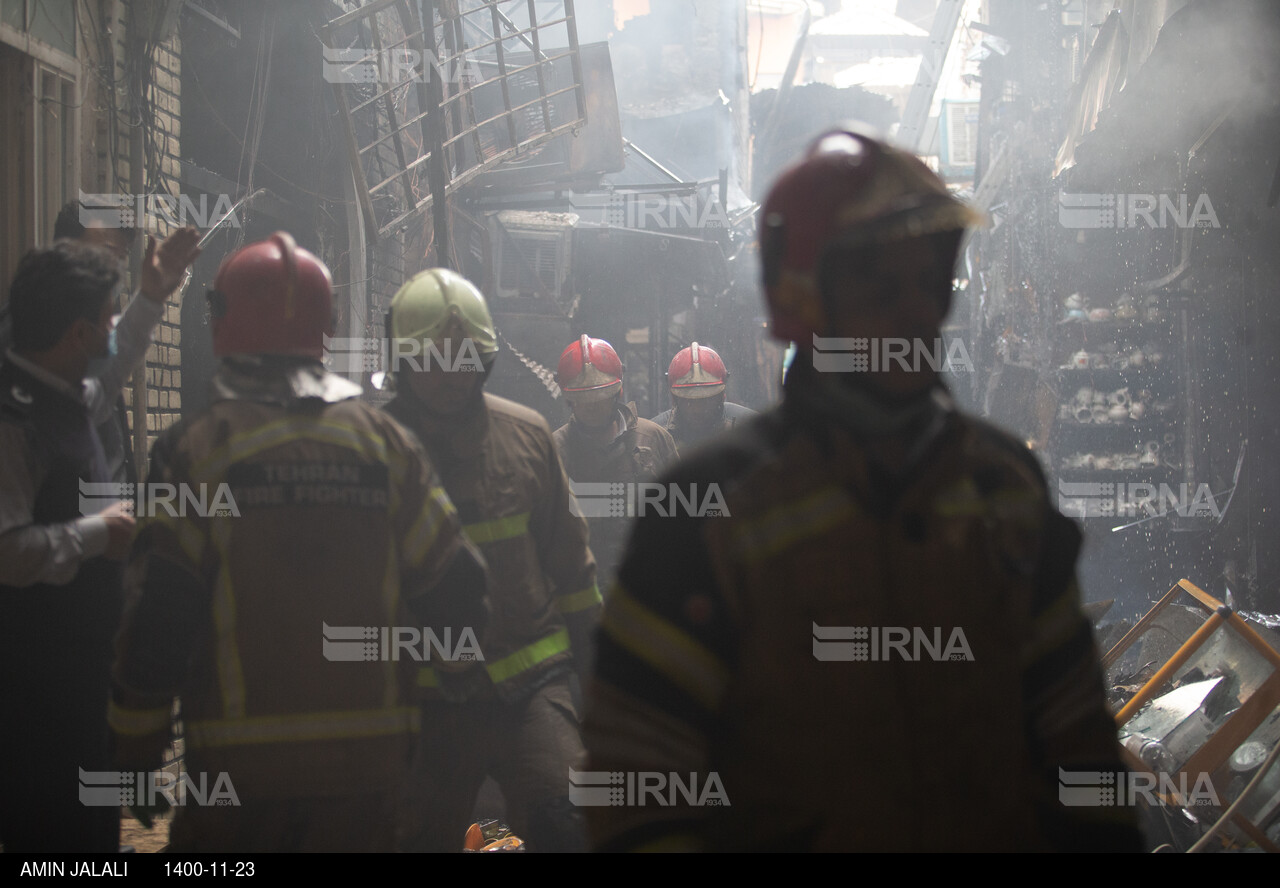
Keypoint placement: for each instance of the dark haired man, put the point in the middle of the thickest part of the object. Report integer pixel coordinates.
(59, 569)
(111, 418)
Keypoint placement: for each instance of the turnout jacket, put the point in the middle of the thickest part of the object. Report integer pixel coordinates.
(771, 654)
(636, 455)
(686, 437)
(264, 612)
(501, 468)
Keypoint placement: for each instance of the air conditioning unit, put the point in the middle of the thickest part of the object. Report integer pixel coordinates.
(531, 252)
(958, 131)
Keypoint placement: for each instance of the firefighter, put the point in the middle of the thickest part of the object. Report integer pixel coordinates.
(759, 654)
(312, 520)
(605, 441)
(512, 717)
(698, 378)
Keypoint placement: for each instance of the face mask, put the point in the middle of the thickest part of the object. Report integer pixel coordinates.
(98, 365)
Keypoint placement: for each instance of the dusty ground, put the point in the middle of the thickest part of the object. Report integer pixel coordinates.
(142, 839)
(134, 833)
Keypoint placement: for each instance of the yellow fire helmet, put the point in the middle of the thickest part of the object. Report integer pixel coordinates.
(432, 301)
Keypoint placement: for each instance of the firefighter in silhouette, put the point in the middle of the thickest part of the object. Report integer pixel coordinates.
(512, 717)
(760, 652)
(325, 521)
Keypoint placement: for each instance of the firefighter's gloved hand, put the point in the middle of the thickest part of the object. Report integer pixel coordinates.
(146, 814)
(461, 683)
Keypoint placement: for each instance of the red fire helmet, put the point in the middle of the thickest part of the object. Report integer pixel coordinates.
(849, 190)
(589, 370)
(697, 372)
(272, 298)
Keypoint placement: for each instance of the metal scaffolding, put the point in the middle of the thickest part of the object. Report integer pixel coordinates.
(436, 92)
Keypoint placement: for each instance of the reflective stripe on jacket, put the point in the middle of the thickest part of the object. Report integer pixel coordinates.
(636, 455)
(862, 663)
(261, 605)
(501, 468)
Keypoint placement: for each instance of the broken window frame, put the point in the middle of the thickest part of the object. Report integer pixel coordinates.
(446, 101)
(38, 177)
(1236, 729)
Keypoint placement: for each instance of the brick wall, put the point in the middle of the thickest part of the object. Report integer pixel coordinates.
(108, 166)
(163, 382)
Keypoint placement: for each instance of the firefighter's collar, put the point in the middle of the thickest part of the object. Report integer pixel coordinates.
(279, 379)
(626, 418)
(460, 436)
